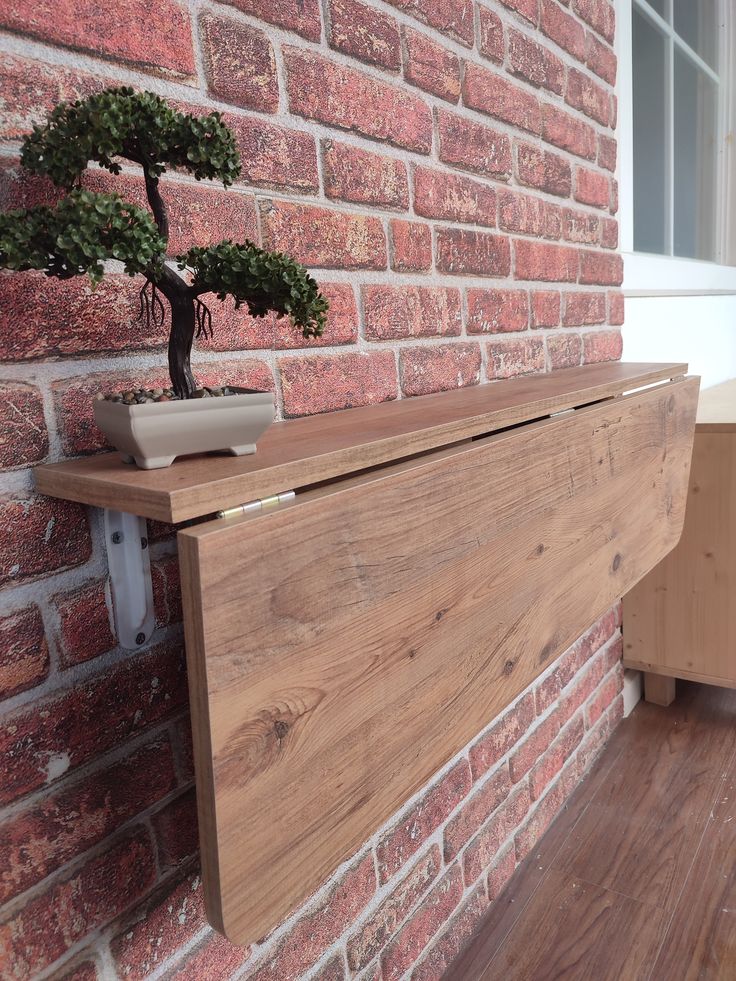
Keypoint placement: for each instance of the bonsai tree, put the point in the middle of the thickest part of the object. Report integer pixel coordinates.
(85, 228)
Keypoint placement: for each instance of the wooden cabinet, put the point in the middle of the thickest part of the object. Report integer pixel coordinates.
(680, 620)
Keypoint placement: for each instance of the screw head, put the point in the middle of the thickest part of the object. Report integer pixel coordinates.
(139, 638)
(116, 537)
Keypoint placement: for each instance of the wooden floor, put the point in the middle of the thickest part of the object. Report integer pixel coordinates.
(636, 879)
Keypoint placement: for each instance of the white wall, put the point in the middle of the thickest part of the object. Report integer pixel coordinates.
(698, 329)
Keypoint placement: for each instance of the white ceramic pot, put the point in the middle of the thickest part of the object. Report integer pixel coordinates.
(155, 433)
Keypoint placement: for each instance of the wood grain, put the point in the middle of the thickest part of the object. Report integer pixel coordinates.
(305, 451)
(680, 620)
(639, 834)
(344, 647)
(580, 932)
(659, 689)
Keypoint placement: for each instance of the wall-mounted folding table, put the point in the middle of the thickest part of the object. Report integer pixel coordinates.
(439, 554)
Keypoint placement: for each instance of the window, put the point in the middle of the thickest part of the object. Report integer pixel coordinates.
(679, 98)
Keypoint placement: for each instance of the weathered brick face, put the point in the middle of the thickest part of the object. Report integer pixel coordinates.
(447, 171)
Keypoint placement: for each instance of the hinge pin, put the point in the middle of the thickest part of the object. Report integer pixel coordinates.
(258, 505)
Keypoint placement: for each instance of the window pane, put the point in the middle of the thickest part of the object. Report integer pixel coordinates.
(696, 22)
(650, 185)
(694, 161)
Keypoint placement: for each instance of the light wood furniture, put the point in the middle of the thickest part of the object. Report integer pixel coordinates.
(345, 645)
(680, 620)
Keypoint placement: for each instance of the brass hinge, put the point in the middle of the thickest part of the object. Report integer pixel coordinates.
(258, 505)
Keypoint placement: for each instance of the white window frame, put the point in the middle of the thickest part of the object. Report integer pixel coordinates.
(647, 274)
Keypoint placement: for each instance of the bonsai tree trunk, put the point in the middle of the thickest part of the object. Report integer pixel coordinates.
(183, 324)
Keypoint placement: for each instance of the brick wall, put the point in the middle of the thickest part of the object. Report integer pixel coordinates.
(446, 168)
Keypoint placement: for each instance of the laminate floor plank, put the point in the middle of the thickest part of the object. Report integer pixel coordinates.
(578, 931)
(640, 832)
(700, 944)
(636, 878)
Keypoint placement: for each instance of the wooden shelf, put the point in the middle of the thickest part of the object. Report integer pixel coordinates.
(301, 452)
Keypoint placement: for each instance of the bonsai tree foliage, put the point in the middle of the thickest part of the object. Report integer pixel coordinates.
(86, 228)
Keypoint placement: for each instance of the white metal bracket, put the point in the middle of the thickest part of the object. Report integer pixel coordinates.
(126, 537)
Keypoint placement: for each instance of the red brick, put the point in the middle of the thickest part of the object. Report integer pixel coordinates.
(563, 29)
(215, 958)
(43, 317)
(412, 246)
(159, 929)
(601, 269)
(62, 826)
(49, 925)
(314, 930)
(591, 746)
(373, 935)
(600, 59)
(486, 844)
(86, 971)
(40, 535)
(74, 397)
(581, 688)
(505, 733)
(526, 754)
(599, 14)
(497, 311)
(529, 9)
(474, 147)
(274, 156)
(616, 711)
(580, 226)
(301, 16)
(587, 96)
(237, 330)
(451, 197)
(490, 37)
(322, 237)
(584, 308)
(85, 624)
(333, 970)
(494, 95)
(614, 196)
(23, 435)
(568, 133)
(240, 65)
(157, 37)
(605, 345)
(431, 67)
(474, 812)
(41, 742)
(550, 764)
(501, 871)
(534, 63)
(604, 697)
(24, 653)
(406, 837)
(584, 648)
(340, 381)
(422, 926)
(462, 252)
(545, 309)
(615, 308)
(550, 263)
(544, 170)
(444, 950)
(528, 215)
(424, 370)
(547, 810)
(607, 152)
(352, 174)
(609, 233)
(564, 350)
(451, 17)
(365, 33)
(340, 96)
(166, 590)
(31, 89)
(507, 358)
(176, 830)
(410, 311)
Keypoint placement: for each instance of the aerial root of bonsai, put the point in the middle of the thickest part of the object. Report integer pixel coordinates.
(151, 306)
(204, 319)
